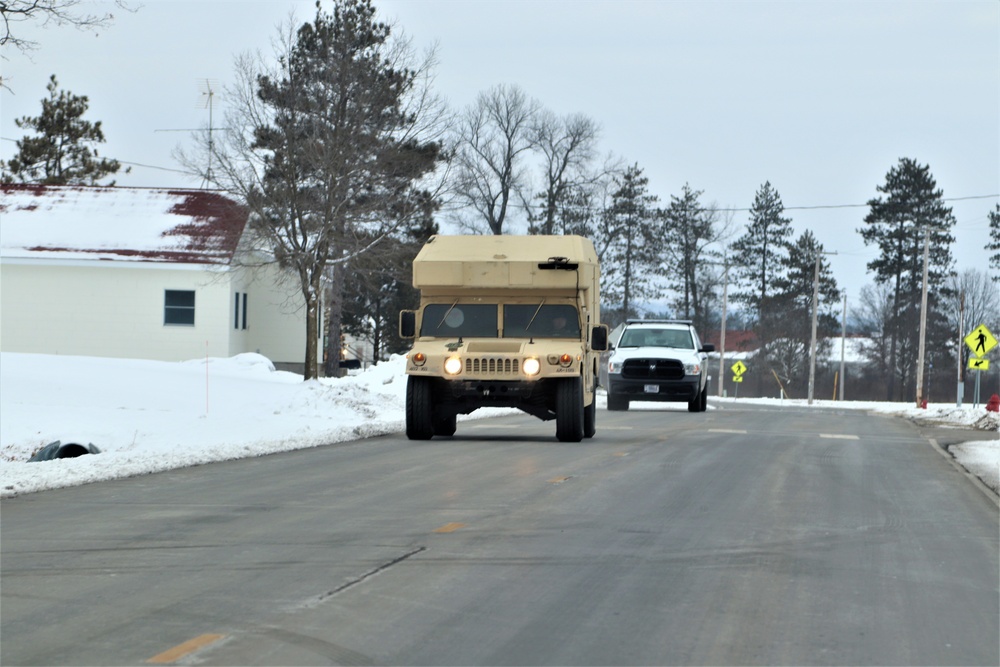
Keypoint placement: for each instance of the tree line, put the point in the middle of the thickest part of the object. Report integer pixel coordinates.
(348, 161)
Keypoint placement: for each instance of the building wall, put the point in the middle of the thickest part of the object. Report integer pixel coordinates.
(276, 318)
(114, 310)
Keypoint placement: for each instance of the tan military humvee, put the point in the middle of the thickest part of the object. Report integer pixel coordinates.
(504, 321)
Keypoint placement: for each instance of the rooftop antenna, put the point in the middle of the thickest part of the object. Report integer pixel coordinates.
(208, 101)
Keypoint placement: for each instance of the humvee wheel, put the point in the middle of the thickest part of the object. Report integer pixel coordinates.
(590, 419)
(419, 408)
(569, 410)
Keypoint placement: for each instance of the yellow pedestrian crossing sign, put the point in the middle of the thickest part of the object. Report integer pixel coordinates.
(979, 364)
(739, 368)
(980, 341)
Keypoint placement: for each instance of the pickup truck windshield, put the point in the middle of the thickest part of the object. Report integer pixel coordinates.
(648, 337)
(541, 321)
(451, 320)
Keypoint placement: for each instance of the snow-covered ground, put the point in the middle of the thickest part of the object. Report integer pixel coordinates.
(150, 416)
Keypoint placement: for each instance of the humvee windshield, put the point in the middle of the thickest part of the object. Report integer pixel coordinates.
(451, 320)
(540, 321)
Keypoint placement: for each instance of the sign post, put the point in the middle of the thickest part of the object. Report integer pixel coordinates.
(980, 340)
(739, 368)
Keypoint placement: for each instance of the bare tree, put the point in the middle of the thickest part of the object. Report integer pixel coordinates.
(874, 315)
(493, 135)
(57, 12)
(568, 146)
(330, 148)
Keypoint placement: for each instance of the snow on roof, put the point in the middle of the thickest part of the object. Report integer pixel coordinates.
(122, 224)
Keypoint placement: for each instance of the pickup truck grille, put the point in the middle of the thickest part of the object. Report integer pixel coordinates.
(492, 366)
(653, 369)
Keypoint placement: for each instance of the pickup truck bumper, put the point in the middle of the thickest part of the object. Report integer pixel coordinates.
(654, 390)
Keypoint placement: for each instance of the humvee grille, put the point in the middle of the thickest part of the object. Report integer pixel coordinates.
(492, 366)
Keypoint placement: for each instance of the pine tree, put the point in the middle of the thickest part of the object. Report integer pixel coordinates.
(792, 303)
(762, 252)
(689, 230)
(994, 243)
(379, 283)
(898, 224)
(631, 260)
(62, 154)
(337, 154)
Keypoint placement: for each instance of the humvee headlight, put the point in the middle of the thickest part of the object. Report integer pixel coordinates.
(531, 366)
(419, 359)
(453, 366)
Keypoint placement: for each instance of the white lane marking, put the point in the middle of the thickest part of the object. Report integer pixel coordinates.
(838, 436)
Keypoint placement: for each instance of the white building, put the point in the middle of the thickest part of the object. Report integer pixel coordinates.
(138, 273)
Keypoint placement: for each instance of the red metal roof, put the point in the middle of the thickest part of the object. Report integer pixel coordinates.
(113, 223)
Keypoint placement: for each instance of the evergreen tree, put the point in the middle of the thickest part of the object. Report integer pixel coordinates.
(379, 283)
(631, 260)
(761, 259)
(762, 252)
(336, 157)
(689, 230)
(789, 351)
(994, 243)
(911, 212)
(62, 154)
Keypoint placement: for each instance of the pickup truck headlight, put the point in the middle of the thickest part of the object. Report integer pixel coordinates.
(614, 366)
(692, 369)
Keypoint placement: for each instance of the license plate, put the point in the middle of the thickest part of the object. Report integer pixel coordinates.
(652, 388)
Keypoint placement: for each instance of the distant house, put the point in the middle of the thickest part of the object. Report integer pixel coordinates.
(140, 273)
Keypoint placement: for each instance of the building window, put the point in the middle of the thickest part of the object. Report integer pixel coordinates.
(178, 307)
(236, 312)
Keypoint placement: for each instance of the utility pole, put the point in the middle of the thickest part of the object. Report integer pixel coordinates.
(843, 341)
(960, 391)
(923, 321)
(815, 317)
(722, 332)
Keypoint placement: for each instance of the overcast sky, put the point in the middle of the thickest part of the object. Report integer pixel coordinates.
(821, 98)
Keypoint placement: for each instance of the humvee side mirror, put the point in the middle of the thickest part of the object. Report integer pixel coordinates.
(407, 323)
(599, 338)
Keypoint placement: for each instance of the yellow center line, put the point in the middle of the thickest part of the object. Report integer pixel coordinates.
(558, 480)
(181, 650)
(449, 528)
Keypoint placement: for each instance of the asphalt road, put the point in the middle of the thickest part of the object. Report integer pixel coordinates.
(737, 536)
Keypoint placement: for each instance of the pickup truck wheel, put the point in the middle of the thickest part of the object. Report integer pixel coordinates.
(694, 405)
(617, 403)
(419, 408)
(704, 399)
(569, 410)
(590, 419)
